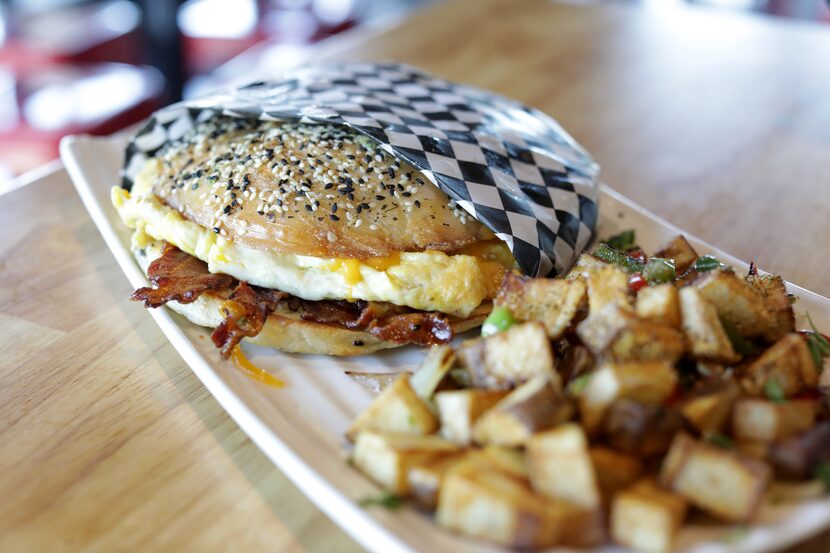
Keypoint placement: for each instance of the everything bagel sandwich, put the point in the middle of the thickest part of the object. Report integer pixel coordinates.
(306, 238)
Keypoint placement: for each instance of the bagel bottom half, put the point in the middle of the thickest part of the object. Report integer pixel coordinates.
(285, 330)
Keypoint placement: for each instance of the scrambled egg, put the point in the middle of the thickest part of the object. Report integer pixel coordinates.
(431, 280)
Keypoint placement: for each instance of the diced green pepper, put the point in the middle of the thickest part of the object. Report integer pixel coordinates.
(659, 270)
(707, 263)
(773, 391)
(610, 255)
(623, 241)
(741, 345)
(818, 345)
(500, 318)
(822, 472)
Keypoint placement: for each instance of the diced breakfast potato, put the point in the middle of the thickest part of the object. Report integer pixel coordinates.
(424, 476)
(647, 382)
(708, 409)
(482, 502)
(553, 302)
(646, 517)
(458, 410)
(504, 459)
(659, 304)
(387, 457)
(761, 420)
(788, 363)
(619, 335)
(530, 408)
(735, 301)
(608, 285)
(560, 466)
(397, 409)
(722, 483)
(501, 361)
(703, 329)
(586, 264)
(683, 254)
(777, 302)
(435, 366)
(641, 430)
(613, 470)
(799, 456)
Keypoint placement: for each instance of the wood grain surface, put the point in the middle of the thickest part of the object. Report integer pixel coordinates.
(718, 123)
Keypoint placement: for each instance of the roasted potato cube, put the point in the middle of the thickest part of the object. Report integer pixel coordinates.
(501, 361)
(788, 362)
(504, 459)
(760, 420)
(613, 470)
(722, 483)
(708, 409)
(646, 517)
(647, 382)
(530, 408)
(703, 329)
(560, 466)
(424, 476)
(484, 503)
(620, 335)
(681, 251)
(659, 304)
(458, 410)
(641, 430)
(553, 302)
(396, 409)
(735, 301)
(755, 450)
(386, 457)
(586, 264)
(434, 367)
(773, 291)
(608, 285)
(579, 526)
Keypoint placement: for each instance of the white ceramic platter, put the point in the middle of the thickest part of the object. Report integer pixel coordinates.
(300, 427)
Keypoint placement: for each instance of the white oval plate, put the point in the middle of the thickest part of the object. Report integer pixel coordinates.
(300, 427)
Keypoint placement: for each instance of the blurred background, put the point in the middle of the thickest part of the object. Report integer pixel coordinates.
(97, 66)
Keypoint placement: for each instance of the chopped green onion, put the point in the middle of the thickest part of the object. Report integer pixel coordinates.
(737, 534)
(822, 472)
(623, 241)
(386, 500)
(741, 345)
(707, 263)
(659, 270)
(610, 255)
(578, 384)
(720, 440)
(773, 391)
(818, 345)
(500, 318)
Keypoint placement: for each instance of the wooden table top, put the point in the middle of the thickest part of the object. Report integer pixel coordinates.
(718, 123)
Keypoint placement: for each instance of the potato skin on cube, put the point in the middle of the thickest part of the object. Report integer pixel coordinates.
(614, 471)
(760, 420)
(703, 329)
(723, 483)
(458, 410)
(788, 362)
(387, 457)
(679, 249)
(424, 476)
(503, 360)
(397, 409)
(553, 302)
(646, 517)
(735, 301)
(708, 409)
(640, 430)
(532, 407)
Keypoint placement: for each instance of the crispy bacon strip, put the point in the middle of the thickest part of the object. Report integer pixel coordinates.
(248, 310)
(424, 329)
(178, 276)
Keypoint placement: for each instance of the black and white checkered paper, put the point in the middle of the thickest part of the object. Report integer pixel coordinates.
(511, 167)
